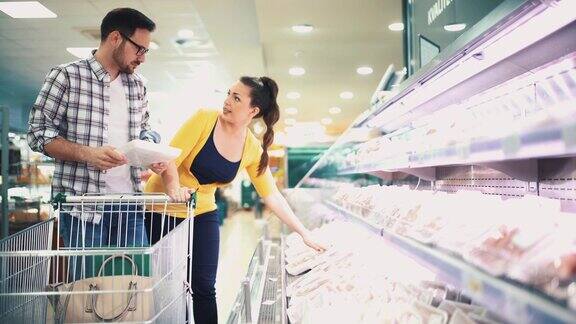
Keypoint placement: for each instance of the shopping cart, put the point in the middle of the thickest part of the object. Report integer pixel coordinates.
(103, 267)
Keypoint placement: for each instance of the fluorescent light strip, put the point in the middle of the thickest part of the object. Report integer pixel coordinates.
(303, 29)
(26, 9)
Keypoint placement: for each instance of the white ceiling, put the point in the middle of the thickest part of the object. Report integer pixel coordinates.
(232, 38)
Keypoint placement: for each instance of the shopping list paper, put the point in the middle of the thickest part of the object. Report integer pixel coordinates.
(143, 153)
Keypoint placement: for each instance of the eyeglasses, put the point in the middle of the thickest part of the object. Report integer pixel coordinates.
(140, 50)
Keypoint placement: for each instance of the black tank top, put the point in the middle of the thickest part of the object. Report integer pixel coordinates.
(209, 166)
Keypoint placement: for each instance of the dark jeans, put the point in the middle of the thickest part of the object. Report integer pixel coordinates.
(206, 245)
(120, 226)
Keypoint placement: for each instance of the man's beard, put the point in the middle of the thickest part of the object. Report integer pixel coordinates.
(118, 57)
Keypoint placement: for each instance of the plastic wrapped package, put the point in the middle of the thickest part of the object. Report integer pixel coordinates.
(507, 243)
(431, 218)
(350, 285)
(386, 204)
(463, 225)
(551, 265)
(366, 200)
(411, 215)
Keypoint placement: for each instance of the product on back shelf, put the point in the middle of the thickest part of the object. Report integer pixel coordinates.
(27, 216)
(31, 175)
(463, 225)
(426, 220)
(551, 265)
(514, 237)
(407, 219)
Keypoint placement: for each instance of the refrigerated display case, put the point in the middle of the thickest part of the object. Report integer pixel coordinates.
(476, 161)
(26, 180)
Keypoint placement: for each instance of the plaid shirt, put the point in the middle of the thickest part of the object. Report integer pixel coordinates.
(74, 104)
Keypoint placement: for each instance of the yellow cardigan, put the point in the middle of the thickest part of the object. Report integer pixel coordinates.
(190, 138)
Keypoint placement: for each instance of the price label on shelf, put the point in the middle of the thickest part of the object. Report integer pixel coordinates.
(511, 145)
(569, 136)
(464, 151)
(472, 284)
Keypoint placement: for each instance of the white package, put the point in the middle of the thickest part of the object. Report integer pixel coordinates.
(143, 153)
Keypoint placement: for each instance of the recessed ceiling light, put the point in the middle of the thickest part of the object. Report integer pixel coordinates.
(297, 71)
(26, 9)
(154, 45)
(326, 121)
(455, 27)
(81, 52)
(293, 95)
(364, 70)
(302, 29)
(334, 110)
(291, 111)
(289, 121)
(346, 95)
(396, 27)
(185, 33)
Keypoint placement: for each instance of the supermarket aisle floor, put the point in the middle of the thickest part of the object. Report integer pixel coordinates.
(238, 238)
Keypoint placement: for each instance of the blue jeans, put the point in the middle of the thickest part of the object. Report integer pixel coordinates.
(120, 226)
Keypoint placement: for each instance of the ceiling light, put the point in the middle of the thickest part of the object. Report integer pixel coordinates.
(364, 70)
(81, 52)
(396, 27)
(185, 33)
(334, 110)
(154, 45)
(293, 95)
(326, 121)
(455, 27)
(297, 71)
(289, 121)
(346, 95)
(302, 29)
(291, 111)
(26, 9)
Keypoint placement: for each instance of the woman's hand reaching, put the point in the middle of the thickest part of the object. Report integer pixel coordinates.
(312, 242)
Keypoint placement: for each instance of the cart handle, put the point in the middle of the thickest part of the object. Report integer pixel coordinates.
(61, 198)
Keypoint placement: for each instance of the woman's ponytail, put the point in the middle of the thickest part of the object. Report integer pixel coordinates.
(264, 93)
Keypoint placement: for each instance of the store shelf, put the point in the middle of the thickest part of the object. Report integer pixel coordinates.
(557, 140)
(510, 300)
(465, 68)
(356, 218)
(258, 300)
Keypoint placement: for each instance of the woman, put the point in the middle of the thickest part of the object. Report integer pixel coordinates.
(215, 147)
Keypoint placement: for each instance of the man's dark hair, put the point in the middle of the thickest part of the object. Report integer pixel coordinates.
(126, 21)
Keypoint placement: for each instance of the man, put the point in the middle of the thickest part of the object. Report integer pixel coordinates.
(85, 110)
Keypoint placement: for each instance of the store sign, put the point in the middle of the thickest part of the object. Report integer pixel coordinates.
(437, 9)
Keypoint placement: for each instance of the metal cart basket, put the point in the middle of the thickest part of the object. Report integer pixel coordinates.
(103, 266)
